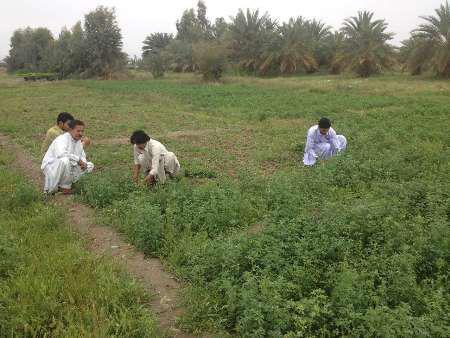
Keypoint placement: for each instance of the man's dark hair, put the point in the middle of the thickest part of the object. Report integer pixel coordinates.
(74, 123)
(139, 137)
(64, 117)
(324, 123)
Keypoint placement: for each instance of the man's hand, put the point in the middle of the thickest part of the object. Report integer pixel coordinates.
(85, 141)
(82, 165)
(150, 180)
(136, 179)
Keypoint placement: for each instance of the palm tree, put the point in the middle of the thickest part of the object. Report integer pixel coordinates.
(155, 43)
(434, 47)
(414, 54)
(250, 34)
(335, 45)
(365, 48)
(296, 48)
(318, 33)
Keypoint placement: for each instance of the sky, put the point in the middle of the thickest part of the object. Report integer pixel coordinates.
(139, 18)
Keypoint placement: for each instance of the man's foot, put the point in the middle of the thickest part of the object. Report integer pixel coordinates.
(66, 191)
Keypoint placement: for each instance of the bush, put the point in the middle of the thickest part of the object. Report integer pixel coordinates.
(23, 196)
(208, 208)
(141, 220)
(101, 190)
(210, 59)
(156, 64)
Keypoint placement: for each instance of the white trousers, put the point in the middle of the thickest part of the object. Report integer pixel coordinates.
(168, 164)
(324, 151)
(62, 173)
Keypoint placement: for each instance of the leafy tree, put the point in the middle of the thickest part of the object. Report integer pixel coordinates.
(103, 42)
(78, 49)
(414, 54)
(220, 29)
(155, 43)
(432, 43)
(202, 20)
(179, 55)
(318, 34)
(153, 55)
(365, 47)
(156, 64)
(335, 45)
(30, 49)
(297, 49)
(210, 58)
(250, 34)
(69, 53)
(194, 27)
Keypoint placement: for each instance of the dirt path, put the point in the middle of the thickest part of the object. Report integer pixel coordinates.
(104, 240)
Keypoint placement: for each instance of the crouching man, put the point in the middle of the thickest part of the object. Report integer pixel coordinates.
(65, 160)
(322, 142)
(153, 159)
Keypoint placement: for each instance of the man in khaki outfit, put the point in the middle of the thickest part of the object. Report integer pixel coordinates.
(152, 158)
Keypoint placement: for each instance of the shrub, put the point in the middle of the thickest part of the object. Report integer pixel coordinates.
(101, 190)
(208, 208)
(141, 220)
(210, 59)
(23, 196)
(156, 64)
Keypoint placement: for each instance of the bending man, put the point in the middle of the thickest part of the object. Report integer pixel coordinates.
(322, 142)
(153, 159)
(65, 160)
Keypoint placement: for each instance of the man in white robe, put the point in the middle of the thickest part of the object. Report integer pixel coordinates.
(65, 160)
(152, 158)
(322, 142)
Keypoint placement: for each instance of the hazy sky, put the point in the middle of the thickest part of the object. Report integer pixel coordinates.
(138, 18)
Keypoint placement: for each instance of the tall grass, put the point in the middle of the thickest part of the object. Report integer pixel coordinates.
(49, 284)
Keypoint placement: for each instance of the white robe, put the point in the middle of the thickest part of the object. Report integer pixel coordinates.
(156, 160)
(322, 147)
(60, 163)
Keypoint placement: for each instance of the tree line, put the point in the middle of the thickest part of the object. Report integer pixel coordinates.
(249, 42)
(91, 49)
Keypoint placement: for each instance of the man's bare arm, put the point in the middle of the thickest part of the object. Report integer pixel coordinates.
(136, 170)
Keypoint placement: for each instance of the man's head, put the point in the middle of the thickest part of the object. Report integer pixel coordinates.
(324, 125)
(63, 120)
(139, 138)
(76, 129)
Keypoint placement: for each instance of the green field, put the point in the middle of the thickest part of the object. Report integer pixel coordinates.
(359, 246)
(49, 285)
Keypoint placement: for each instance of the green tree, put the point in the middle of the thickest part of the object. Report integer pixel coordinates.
(249, 36)
(194, 27)
(219, 29)
(153, 54)
(365, 47)
(103, 43)
(335, 46)
(318, 36)
(432, 43)
(69, 52)
(179, 55)
(297, 49)
(210, 59)
(155, 43)
(30, 50)
(414, 54)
